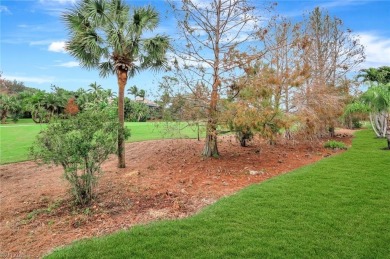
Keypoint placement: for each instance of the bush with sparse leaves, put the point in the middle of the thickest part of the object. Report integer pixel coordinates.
(80, 145)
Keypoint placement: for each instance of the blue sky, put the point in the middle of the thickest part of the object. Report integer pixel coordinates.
(33, 36)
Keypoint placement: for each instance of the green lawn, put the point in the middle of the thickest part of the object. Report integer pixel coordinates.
(16, 139)
(336, 208)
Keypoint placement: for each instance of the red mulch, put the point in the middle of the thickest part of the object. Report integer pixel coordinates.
(164, 179)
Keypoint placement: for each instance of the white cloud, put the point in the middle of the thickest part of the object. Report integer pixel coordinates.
(4, 9)
(69, 64)
(377, 49)
(57, 46)
(38, 80)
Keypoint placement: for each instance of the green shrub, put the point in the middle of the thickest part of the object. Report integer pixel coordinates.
(334, 144)
(356, 123)
(136, 111)
(80, 145)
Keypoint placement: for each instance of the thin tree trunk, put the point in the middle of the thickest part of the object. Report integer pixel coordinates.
(211, 148)
(388, 131)
(197, 124)
(122, 80)
(373, 125)
(384, 123)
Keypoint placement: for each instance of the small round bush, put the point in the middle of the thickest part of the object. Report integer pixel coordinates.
(332, 144)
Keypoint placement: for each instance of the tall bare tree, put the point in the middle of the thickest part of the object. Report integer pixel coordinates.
(210, 31)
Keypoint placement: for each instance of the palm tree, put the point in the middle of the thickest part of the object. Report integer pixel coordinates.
(133, 90)
(379, 75)
(7, 104)
(377, 98)
(109, 95)
(141, 94)
(95, 90)
(106, 35)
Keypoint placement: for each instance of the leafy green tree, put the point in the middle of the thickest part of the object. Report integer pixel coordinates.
(36, 105)
(377, 98)
(96, 90)
(80, 145)
(376, 102)
(107, 36)
(380, 75)
(8, 105)
(136, 111)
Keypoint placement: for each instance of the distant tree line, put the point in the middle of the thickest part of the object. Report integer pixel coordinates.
(18, 101)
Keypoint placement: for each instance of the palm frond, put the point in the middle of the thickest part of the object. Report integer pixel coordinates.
(144, 18)
(155, 50)
(106, 69)
(104, 35)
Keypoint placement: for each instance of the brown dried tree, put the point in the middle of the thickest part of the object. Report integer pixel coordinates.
(331, 53)
(71, 107)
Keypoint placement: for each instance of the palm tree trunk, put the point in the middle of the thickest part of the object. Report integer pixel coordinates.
(122, 80)
(383, 123)
(388, 131)
(373, 125)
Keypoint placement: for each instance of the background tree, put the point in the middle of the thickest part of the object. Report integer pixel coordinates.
(142, 94)
(377, 98)
(331, 53)
(104, 35)
(133, 90)
(253, 109)
(136, 111)
(186, 108)
(71, 107)
(379, 75)
(273, 80)
(37, 107)
(12, 87)
(136, 92)
(96, 90)
(8, 105)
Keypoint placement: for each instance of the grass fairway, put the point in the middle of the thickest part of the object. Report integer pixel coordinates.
(336, 208)
(16, 139)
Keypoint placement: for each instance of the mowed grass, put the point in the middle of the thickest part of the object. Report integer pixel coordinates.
(336, 208)
(16, 139)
